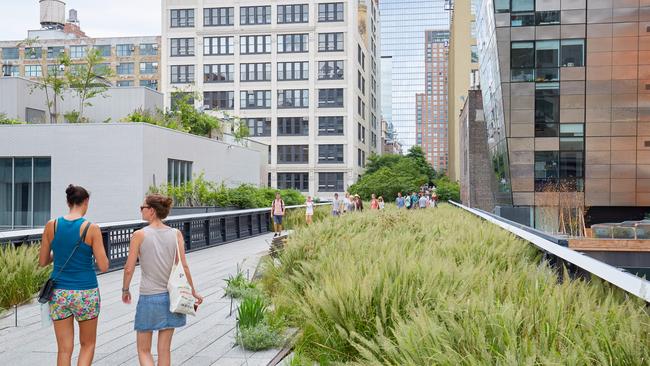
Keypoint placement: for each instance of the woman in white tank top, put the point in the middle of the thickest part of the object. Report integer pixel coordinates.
(155, 246)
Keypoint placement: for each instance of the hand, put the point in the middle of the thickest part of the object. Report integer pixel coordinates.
(199, 298)
(126, 297)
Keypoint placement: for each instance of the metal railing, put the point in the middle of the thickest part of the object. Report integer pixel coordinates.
(200, 231)
(629, 283)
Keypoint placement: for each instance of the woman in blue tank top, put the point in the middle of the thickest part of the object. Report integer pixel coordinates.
(74, 245)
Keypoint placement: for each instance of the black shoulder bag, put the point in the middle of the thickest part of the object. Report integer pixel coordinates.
(48, 288)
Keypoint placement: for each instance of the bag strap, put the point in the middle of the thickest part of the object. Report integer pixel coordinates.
(81, 238)
(178, 251)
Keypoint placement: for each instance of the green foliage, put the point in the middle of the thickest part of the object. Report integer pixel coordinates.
(239, 287)
(157, 118)
(259, 337)
(450, 290)
(251, 311)
(401, 176)
(417, 154)
(74, 117)
(295, 219)
(4, 120)
(20, 275)
(240, 130)
(447, 190)
(88, 80)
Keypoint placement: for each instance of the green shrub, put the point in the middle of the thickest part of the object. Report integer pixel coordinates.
(20, 275)
(450, 290)
(259, 337)
(4, 120)
(239, 287)
(251, 311)
(447, 190)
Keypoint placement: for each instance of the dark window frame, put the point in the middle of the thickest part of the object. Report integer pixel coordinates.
(261, 15)
(293, 73)
(293, 98)
(223, 99)
(330, 70)
(258, 68)
(293, 154)
(185, 74)
(182, 44)
(212, 76)
(293, 17)
(331, 12)
(331, 154)
(212, 14)
(331, 126)
(293, 126)
(331, 42)
(251, 99)
(331, 98)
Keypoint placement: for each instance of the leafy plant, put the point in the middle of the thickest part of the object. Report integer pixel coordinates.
(239, 287)
(4, 120)
(88, 80)
(251, 311)
(259, 337)
(20, 275)
(447, 190)
(74, 117)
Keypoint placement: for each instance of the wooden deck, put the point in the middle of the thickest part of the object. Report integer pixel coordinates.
(609, 245)
(208, 338)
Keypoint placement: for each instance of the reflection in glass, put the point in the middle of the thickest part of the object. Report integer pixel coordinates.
(42, 190)
(6, 173)
(573, 52)
(22, 192)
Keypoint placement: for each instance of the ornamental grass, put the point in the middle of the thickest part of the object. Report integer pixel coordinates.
(442, 287)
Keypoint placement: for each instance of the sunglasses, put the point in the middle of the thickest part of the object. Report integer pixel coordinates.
(143, 207)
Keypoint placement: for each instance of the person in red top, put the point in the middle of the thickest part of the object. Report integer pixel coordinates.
(277, 211)
(374, 203)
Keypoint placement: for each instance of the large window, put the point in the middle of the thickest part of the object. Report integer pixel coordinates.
(182, 74)
(55, 52)
(25, 192)
(255, 99)
(255, 72)
(259, 126)
(293, 98)
(33, 71)
(298, 13)
(250, 15)
(299, 181)
(293, 70)
(540, 61)
(181, 18)
(124, 50)
(104, 50)
(254, 44)
(213, 46)
(149, 83)
(213, 17)
(522, 61)
(124, 83)
(220, 73)
(33, 53)
(125, 68)
(182, 46)
(148, 49)
(331, 70)
(179, 172)
(330, 126)
(78, 51)
(572, 136)
(219, 99)
(148, 68)
(559, 167)
(293, 154)
(573, 52)
(330, 12)
(293, 126)
(330, 182)
(10, 53)
(329, 42)
(293, 43)
(328, 98)
(547, 109)
(547, 17)
(330, 154)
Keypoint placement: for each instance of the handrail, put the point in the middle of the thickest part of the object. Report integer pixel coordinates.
(629, 283)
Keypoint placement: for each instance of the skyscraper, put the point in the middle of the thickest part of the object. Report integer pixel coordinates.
(403, 26)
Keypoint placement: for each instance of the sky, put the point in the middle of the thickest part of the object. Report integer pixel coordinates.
(121, 18)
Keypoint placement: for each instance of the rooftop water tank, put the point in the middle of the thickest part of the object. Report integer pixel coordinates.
(52, 14)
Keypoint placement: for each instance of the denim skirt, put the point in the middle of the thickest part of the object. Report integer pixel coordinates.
(152, 313)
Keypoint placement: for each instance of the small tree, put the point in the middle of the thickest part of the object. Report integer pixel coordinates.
(240, 130)
(194, 121)
(89, 80)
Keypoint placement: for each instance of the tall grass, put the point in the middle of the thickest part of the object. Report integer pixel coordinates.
(441, 287)
(295, 217)
(20, 275)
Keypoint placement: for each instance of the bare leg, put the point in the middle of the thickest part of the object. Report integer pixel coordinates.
(87, 339)
(165, 346)
(144, 348)
(64, 331)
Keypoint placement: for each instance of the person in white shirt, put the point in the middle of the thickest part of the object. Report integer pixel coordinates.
(309, 211)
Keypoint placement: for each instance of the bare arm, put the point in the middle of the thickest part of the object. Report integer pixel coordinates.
(45, 254)
(186, 268)
(97, 243)
(129, 266)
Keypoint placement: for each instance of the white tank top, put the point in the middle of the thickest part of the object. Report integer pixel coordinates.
(157, 256)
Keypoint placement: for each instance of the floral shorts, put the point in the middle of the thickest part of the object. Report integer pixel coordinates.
(82, 304)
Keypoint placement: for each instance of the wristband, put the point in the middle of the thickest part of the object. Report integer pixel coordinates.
(125, 290)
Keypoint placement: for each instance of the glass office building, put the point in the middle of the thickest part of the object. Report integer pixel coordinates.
(403, 26)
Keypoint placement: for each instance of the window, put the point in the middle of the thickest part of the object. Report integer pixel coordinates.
(250, 15)
(547, 54)
(151, 84)
(361, 108)
(547, 110)
(33, 71)
(572, 170)
(523, 5)
(361, 133)
(546, 169)
(255, 99)
(293, 70)
(78, 51)
(361, 158)
(219, 99)
(330, 154)
(33, 53)
(328, 42)
(124, 83)
(218, 46)
(293, 13)
(148, 68)
(182, 46)
(293, 154)
(148, 49)
(572, 136)
(182, 18)
(522, 61)
(179, 172)
(330, 98)
(293, 98)
(293, 126)
(573, 52)
(299, 181)
(330, 12)
(330, 126)
(547, 17)
(255, 72)
(330, 182)
(361, 83)
(220, 73)
(501, 6)
(361, 57)
(34, 115)
(217, 17)
(25, 192)
(259, 126)
(254, 44)
(124, 50)
(522, 19)
(289, 43)
(330, 70)
(125, 68)
(55, 52)
(104, 50)
(474, 53)
(10, 53)
(182, 74)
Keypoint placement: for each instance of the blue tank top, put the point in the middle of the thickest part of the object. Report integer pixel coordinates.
(79, 273)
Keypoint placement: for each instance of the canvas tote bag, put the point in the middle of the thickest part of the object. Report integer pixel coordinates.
(180, 293)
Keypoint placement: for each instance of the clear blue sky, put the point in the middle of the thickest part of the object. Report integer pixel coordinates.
(120, 18)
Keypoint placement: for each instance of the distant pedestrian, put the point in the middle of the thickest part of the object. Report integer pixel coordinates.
(336, 205)
(434, 198)
(399, 201)
(309, 210)
(381, 203)
(414, 200)
(277, 211)
(358, 203)
(374, 203)
(422, 201)
(346, 202)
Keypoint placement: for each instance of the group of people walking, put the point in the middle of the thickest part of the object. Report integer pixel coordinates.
(423, 199)
(74, 245)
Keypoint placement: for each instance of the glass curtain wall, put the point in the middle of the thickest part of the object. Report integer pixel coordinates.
(25, 192)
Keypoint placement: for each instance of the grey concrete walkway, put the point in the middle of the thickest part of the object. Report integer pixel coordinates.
(208, 338)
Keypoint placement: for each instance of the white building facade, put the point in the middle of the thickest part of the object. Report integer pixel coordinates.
(304, 75)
